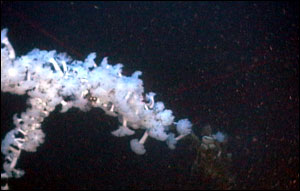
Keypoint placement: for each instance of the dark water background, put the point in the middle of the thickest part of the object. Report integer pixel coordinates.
(234, 65)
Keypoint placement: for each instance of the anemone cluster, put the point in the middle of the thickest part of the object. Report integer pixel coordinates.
(51, 79)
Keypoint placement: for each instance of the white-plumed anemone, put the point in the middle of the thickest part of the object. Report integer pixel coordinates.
(219, 136)
(158, 133)
(3, 34)
(122, 131)
(159, 106)
(89, 61)
(171, 141)
(184, 127)
(150, 99)
(137, 147)
(166, 117)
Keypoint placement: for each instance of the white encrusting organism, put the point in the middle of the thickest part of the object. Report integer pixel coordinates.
(51, 79)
